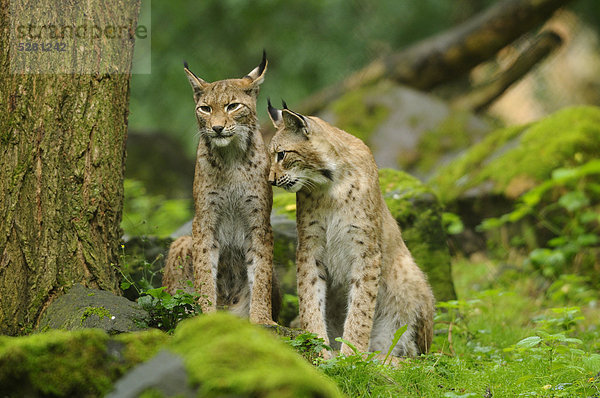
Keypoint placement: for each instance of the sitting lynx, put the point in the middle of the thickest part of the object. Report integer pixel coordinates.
(356, 278)
(232, 242)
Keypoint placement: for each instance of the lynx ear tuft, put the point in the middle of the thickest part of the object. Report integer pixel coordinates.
(274, 114)
(257, 75)
(198, 85)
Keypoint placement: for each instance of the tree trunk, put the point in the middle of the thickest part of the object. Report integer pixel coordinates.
(62, 153)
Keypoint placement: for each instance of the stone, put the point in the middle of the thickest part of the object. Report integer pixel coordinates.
(82, 307)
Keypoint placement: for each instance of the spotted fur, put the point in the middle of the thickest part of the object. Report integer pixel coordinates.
(232, 241)
(356, 277)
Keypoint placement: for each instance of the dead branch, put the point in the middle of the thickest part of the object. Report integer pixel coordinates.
(483, 95)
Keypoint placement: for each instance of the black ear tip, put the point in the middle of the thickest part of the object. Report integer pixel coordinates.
(283, 104)
(185, 65)
(263, 63)
(274, 113)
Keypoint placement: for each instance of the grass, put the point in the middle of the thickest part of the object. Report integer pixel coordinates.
(506, 336)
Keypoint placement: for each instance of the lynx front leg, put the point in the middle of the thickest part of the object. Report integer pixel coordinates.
(362, 299)
(312, 289)
(205, 260)
(260, 274)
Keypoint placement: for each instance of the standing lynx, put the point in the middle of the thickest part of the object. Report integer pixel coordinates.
(232, 242)
(356, 278)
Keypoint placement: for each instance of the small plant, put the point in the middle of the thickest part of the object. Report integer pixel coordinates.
(167, 310)
(309, 345)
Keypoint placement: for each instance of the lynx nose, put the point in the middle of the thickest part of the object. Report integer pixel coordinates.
(218, 129)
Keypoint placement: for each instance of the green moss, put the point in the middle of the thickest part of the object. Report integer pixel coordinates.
(226, 356)
(141, 346)
(71, 364)
(508, 161)
(56, 363)
(356, 115)
(451, 135)
(100, 312)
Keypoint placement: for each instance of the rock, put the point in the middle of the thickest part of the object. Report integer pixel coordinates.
(164, 374)
(419, 215)
(405, 128)
(490, 176)
(82, 308)
(81, 363)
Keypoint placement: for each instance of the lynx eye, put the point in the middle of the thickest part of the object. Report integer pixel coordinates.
(280, 155)
(205, 108)
(232, 107)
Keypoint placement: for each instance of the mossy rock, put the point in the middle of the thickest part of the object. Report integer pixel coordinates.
(82, 307)
(82, 363)
(227, 356)
(215, 355)
(405, 128)
(419, 215)
(510, 161)
(485, 182)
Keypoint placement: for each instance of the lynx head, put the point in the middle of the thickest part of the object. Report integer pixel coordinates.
(301, 153)
(226, 109)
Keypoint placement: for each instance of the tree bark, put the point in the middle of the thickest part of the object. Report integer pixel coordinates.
(449, 54)
(62, 153)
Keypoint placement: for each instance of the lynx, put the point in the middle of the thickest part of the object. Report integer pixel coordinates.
(356, 277)
(232, 241)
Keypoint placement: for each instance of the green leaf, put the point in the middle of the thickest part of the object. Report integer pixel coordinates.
(574, 200)
(529, 342)
(349, 344)
(397, 336)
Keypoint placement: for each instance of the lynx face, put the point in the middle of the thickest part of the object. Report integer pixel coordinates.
(299, 155)
(226, 109)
